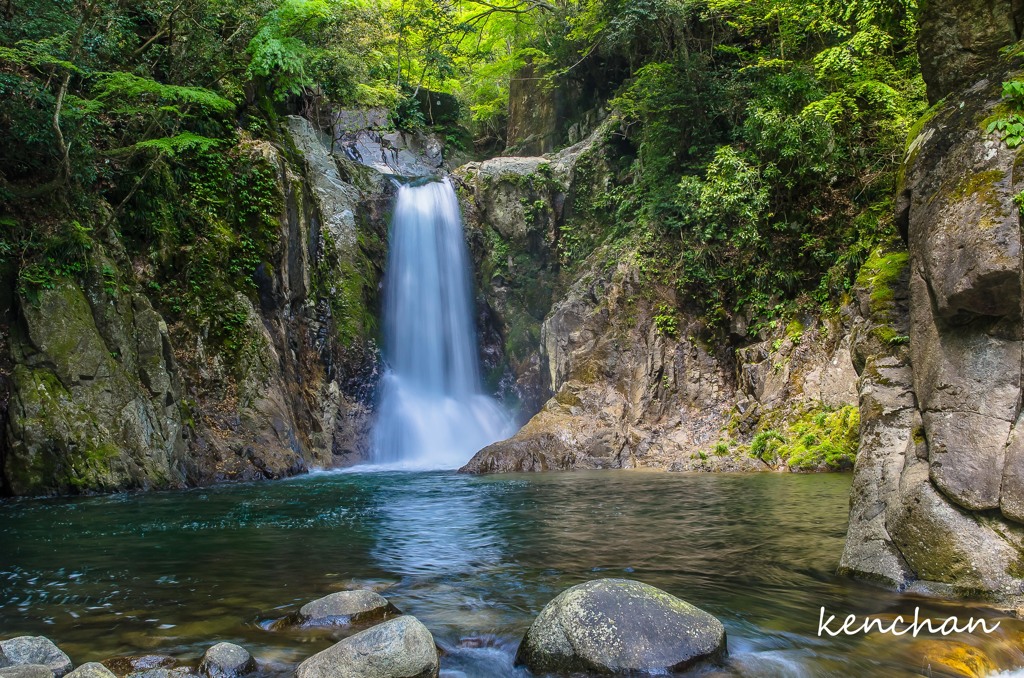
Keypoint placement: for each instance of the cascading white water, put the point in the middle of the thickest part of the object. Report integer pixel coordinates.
(432, 411)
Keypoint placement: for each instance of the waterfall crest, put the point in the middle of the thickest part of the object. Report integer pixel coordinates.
(433, 412)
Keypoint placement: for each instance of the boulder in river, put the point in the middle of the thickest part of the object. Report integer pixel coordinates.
(347, 607)
(227, 660)
(91, 670)
(399, 648)
(26, 671)
(620, 626)
(36, 650)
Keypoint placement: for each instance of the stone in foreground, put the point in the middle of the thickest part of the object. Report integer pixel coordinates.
(36, 650)
(26, 671)
(91, 670)
(400, 648)
(123, 666)
(620, 626)
(347, 607)
(227, 660)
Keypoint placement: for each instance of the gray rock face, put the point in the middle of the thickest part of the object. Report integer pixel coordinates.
(960, 40)
(629, 395)
(966, 348)
(26, 650)
(347, 607)
(95, 395)
(939, 482)
(91, 670)
(889, 418)
(226, 660)
(26, 671)
(620, 626)
(399, 648)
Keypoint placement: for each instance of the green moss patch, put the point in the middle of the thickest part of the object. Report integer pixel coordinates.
(879, 273)
(820, 439)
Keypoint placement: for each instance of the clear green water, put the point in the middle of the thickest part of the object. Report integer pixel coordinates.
(474, 558)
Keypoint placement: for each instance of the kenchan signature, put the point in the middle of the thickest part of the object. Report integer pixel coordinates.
(899, 626)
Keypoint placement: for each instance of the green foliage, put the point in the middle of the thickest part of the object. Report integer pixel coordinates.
(764, 166)
(821, 438)
(128, 94)
(765, 445)
(666, 321)
(324, 46)
(879, 273)
(1010, 126)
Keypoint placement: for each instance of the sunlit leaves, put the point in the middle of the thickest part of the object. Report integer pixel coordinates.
(1009, 126)
(126, 93)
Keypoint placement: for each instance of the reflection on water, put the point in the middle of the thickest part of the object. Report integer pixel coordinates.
(474, 558)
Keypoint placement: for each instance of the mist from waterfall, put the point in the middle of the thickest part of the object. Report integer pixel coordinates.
(432, 412)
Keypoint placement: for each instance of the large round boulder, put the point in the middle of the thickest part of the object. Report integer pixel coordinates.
(620, 626)
(347, 607)
(36, 650)
(227, 660)
(400, 648)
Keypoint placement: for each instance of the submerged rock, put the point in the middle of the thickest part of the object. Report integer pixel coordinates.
(26, 650)
(400, 648)
(122, 666)
(26, 671)
(347, 607)
(91, 670)
(179, 672)
(227, 660)
(620, 626)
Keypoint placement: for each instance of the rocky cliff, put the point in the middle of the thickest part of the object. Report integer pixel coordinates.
(621, 377)
(937, 489)
(104, 394)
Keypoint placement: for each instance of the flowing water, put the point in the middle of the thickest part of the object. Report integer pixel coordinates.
(475, 558)
(433, 413)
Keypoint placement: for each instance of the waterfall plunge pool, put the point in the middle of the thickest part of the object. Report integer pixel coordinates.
(474, 558)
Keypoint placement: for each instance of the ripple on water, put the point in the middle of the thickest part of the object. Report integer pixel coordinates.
(474, 558)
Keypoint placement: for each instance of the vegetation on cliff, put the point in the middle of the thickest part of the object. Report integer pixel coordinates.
(756, 154)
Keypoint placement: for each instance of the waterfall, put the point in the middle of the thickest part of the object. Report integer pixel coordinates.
(432, 412)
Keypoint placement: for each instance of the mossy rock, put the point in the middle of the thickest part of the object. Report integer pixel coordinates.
(620, 626)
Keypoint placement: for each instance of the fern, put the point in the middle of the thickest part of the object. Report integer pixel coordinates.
(177, 144)
(126, 91)
(33, 59)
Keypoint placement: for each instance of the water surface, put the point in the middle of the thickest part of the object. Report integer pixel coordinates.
(474, 558)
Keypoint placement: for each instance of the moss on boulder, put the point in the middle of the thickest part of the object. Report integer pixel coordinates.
(620, 626)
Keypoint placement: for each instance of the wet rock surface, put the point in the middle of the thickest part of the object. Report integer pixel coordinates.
(122, 666)
(92, 670)
(36, 650)
(26, 671)
(226, 660)
(347, 607)
(399, 648)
